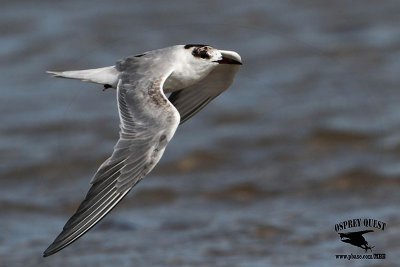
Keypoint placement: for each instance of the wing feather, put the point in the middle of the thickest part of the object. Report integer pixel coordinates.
(190, 100)
(146, 128)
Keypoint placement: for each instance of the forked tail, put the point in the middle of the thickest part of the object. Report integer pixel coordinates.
(106, 76)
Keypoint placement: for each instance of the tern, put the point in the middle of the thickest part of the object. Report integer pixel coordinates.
(193, 75)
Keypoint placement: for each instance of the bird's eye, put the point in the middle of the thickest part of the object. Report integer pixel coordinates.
(201, 52)
(204, 54)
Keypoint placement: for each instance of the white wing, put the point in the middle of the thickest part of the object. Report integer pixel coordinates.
(190, 100)
(147, 121)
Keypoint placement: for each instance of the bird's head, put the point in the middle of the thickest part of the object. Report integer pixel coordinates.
(207, 55)
(194, 62)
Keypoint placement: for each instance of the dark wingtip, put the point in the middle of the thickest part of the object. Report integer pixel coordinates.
(48, 252)
(52, 249)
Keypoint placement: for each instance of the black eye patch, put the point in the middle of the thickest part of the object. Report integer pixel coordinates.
(201, 52)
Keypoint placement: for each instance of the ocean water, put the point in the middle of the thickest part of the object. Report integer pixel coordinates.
(306, 137)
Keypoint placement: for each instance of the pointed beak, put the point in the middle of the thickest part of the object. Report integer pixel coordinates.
(229, 57)
(226, 60)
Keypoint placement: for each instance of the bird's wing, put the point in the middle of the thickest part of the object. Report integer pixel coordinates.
(358, 233)
(363, 232)
(147, 123)
(190, 100)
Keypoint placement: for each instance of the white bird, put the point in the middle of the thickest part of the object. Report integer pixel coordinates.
(194, 74)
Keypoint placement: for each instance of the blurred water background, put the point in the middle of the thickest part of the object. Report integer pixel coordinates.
(307, 136)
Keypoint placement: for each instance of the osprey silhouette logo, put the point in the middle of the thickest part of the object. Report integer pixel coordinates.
(356, 239)
(354, 232)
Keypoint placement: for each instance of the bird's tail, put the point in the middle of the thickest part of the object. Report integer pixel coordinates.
(107, 75)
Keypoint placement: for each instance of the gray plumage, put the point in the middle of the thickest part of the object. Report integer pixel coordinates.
(148, 120)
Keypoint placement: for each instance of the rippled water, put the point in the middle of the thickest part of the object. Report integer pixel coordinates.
(308, 135)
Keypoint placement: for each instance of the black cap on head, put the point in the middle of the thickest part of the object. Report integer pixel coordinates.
(193, 45)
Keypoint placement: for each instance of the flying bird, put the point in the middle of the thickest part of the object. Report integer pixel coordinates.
(193, 75)
(356, 239)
